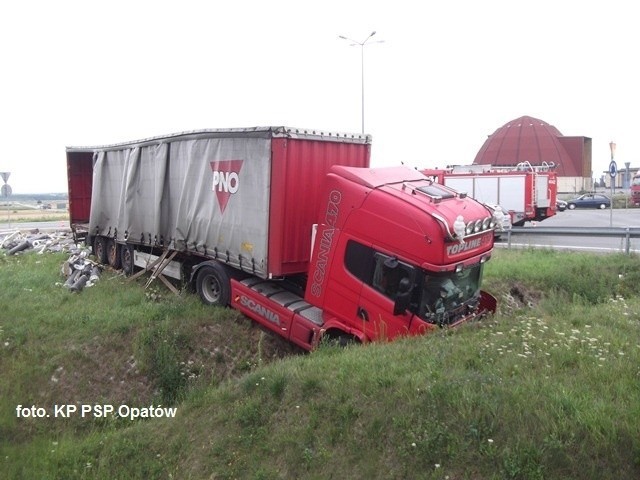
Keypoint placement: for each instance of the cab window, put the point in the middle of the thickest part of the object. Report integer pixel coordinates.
(380, 271)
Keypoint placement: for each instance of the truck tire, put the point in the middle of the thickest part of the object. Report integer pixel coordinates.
(340, 339)
(113, 254)
(126, 259)
(213, 285)
(100, 249)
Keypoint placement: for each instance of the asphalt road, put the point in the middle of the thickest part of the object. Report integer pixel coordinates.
(569, 218)
(42, 226)
(629, 217)
(581, 218)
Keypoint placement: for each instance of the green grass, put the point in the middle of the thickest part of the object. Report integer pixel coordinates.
(547, 388)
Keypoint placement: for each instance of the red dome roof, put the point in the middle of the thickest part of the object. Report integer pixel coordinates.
(526, 139)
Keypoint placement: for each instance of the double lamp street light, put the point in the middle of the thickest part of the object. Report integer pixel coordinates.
(361, 44)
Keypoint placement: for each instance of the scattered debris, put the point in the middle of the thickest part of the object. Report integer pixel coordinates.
(20, 241)
(79, 270)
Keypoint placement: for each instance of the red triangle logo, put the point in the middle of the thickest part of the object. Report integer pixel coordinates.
(226, 180)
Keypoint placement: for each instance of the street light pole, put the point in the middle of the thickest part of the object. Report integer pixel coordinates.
(361, 44)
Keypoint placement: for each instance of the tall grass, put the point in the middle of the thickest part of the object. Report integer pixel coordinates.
(547, 388)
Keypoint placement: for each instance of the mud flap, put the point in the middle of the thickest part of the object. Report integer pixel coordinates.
(488, 303)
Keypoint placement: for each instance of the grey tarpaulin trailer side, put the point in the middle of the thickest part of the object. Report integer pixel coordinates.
(159, 193)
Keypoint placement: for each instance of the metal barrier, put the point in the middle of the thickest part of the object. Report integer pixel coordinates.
(625, 233)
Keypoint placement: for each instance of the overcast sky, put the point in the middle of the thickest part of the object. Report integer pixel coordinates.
(448, 74)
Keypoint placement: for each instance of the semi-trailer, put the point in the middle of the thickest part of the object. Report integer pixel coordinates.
(289, 226)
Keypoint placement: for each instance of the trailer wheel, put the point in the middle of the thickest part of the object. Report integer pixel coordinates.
(126, 259)
(213, 285)
(100, 249)
(113, 254)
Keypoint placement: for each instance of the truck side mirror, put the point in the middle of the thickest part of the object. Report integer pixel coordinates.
(403, 297)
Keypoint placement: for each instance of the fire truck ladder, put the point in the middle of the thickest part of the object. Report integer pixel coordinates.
(527, 167)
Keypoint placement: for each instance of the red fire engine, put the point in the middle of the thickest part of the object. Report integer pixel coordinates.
(527, 192)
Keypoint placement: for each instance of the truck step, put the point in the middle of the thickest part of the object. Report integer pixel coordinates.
(285, 298)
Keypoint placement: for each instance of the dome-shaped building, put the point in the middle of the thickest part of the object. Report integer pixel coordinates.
(528, 139)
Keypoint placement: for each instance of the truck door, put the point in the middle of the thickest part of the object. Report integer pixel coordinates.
(378, 299)
(382, 276)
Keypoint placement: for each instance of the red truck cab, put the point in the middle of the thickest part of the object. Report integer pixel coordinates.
(398, 266)
(392, 256)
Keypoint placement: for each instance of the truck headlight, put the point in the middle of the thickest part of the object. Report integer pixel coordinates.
(470, 226)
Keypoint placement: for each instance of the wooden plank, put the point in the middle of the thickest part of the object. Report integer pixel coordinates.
(157, 273)
(168, 284)
(150, 266)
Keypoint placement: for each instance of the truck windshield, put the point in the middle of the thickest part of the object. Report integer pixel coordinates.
(636, 181)
(446, 297)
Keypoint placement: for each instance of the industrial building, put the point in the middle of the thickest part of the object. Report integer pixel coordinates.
(528, 139)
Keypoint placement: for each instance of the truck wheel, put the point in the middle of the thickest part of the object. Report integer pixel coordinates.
(340, 339)
(100, 249)
(126, 259)
(113, 254)
(213, 285)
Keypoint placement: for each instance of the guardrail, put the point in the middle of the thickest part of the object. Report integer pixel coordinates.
(625, 233)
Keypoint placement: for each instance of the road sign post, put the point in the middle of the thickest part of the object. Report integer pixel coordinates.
(613, 172)
(5, 191)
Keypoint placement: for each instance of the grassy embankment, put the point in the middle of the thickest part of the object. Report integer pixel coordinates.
(548, 388)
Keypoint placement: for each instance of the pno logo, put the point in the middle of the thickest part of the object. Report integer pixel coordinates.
(226, 180)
